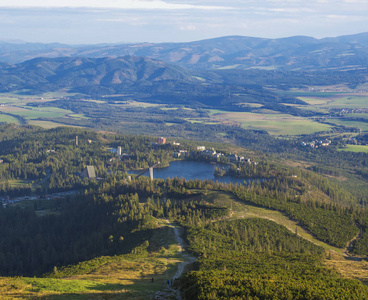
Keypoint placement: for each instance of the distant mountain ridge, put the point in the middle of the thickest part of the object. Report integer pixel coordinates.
(45, 74)
(239, 52)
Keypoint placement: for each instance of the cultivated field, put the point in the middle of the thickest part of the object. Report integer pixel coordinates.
(273, 123)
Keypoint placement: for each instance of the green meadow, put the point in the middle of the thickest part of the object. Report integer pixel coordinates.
(273, 123)
(355, 148)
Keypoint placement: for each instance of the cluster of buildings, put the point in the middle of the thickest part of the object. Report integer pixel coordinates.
(162, 141)
(316, 143)
(210, 153)
(351, 110)
(119, 153)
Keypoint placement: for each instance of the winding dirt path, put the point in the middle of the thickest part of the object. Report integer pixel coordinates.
(187, 259)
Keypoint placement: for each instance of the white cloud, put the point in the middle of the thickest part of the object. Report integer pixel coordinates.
(120, 4)
(188, 27)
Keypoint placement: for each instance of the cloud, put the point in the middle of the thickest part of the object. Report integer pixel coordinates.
(119, 4)
(188, 27)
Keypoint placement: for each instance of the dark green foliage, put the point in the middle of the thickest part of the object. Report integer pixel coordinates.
(258, 259)
(106, 219)
(52, 161)
(254, 235)
(360, 246)
(326, 220)
(88, 226)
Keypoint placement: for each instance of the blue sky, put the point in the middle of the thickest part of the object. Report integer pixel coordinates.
(114, 21)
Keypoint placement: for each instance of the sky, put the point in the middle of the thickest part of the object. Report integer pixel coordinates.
(134, 21)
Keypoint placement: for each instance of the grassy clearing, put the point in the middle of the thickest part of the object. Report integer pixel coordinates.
(169, 108)
(78, 116)
(273, 123)
(19, 182)
(34, 113)
(212, 112)
(48, 124)
(95, 101)
(242, 210)
(255, 105)
(58, 94)
(357, 124)
(127, 276)
(141, 104)
(315, 100)
(9, 119)
(334, 100)
(355, 148)
(201, 121)
(348, 267)
(350, 101)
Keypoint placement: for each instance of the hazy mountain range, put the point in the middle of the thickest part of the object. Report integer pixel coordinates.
(292, 53)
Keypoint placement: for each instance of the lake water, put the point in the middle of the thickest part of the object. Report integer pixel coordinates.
(193, 170)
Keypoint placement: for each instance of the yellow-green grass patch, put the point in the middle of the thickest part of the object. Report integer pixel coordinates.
(49, 124)
(57, 94)
(19, 182)
(9, 119)
(276, 124)
(201, 121)
(255, 105)
(241, 210)
(315, 100)
(349, 268)
(78, 116)
(350, 101)
(35, 113)
(141, 104)
(357, 124)
(355, 148)
(95, 101)
(169, 108)
(126, 276)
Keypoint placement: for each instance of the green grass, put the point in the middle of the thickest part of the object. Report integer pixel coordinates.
(19, 182)
(78, 116)
(357, 124)
(336, 100)
(273, 123)
(297, 93)
(9, 119)
(216, 111)
(48, 124)
(315, 100)
(127, 276)
(241, 210)
(68, 286)
(41, 113)
(355, 148)
(351, 101)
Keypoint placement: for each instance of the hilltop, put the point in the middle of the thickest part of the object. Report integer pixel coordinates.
(239, 52)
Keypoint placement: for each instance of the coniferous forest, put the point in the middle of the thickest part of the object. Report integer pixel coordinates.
(237, 257)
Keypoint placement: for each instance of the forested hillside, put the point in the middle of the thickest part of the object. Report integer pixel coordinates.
(297, 52)
(115, 215)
